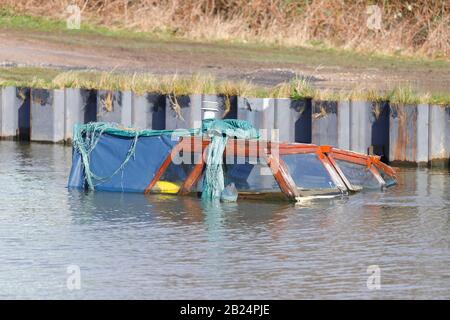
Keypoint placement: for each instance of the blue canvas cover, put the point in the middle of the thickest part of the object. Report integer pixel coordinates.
(111, 151)
(76, 177)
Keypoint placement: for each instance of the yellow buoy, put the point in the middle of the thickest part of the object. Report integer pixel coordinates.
(167, 187)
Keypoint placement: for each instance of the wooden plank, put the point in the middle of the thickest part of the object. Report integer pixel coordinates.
(282, 176)
(349, 158)
(159, 173)
(193, 177)
(341, 174)
(330, 169)
(377, 175)
(163, 167)
(386, 169)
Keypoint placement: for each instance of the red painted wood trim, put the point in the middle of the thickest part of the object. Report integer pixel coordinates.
(163, 167)
(332, 173)
(377, 175)
(341, 174)
(193, 177)
(386, 169)
(282, 176)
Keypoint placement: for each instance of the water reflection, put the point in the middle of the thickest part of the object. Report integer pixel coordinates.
(89, 207)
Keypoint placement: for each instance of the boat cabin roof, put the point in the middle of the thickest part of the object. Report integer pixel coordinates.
(261, 168)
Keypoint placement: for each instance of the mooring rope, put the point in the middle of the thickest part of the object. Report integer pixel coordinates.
(220, 131)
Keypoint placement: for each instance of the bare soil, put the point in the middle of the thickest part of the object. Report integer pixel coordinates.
(263, 65)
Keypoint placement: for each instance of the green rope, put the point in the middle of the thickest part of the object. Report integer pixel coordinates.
(220, 131)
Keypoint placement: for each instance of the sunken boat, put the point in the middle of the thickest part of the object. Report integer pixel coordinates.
(223, 159)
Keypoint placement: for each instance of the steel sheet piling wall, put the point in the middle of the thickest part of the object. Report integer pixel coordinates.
(439, 136)
(380, 114)
(409, 134)
(423, 129)
(23, 104)
(416, 134)
(80, 108)
(343, 125)
(369, 127)
(74, 111)
(304, 121)
(360, 133)
(114, 106)
(148, 111)
(324, 125)
(260, 112)
(9, 121)
(293, 120)
(230, 107)
(189, 108)
(285, 118)
(47, 115)
(403, 135)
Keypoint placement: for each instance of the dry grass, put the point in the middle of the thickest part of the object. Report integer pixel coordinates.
(175, 86)
(442, 99)
(405, 96)
(297, 88)
(413, 28)
(361, 94)
(302, 88)
(107, 102)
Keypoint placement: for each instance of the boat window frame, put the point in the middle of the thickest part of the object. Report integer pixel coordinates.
(183, 144)
(263, 150)
(321, 154)
(373, 163)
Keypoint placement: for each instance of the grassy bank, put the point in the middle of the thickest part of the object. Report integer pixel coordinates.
(418, 28)
(97, 35)
(141, 83)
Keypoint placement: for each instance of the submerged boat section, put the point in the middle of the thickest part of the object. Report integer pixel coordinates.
(121, 159)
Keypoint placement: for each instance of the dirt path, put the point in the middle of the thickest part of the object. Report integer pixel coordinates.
(263, 65)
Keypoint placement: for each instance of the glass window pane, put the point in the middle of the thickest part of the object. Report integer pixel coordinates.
(387, 178)
(247, 175)
(308, 172)
(250, 176)
(358, 175)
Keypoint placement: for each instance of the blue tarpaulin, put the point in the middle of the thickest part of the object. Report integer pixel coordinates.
(110, 152)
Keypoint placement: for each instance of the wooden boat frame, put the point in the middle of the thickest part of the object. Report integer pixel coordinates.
(271, 152)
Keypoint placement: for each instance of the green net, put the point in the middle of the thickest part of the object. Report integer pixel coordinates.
(220, 131)
(86, 137)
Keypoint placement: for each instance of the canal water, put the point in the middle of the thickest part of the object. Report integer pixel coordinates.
(111, 245)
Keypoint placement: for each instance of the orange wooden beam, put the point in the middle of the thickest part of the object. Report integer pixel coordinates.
(282, 176)
(163, 167)
(193, 177)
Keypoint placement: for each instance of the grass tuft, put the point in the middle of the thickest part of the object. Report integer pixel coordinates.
(404, 96)
(301, 88)
(442, 99)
